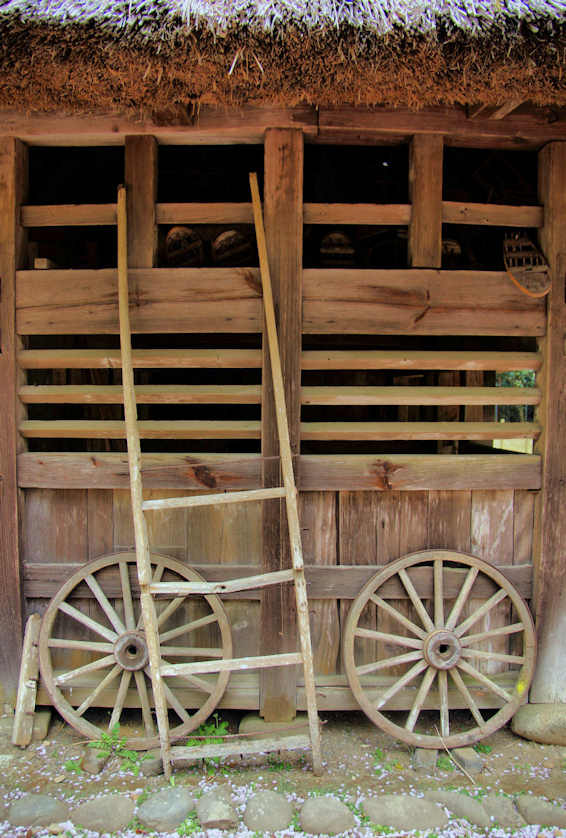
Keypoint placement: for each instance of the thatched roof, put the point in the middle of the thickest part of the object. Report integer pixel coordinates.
(86, 55)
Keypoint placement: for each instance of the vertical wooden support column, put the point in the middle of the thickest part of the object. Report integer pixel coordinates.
(283, 212)
(549, 685)
(425, 194)
(141, 187)
(13, 188)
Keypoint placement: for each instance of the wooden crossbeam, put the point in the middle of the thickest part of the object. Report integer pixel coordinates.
(232, 664)
(397, 359)
(214, 500)
(242, 583)
(34, 359)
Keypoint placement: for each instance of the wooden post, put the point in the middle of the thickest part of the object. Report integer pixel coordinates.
(425, 194)
(13, 188)
(141, 190)
(549, 685)
(283, 211)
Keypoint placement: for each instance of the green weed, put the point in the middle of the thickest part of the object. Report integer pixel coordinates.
(444, 763)
(112, 745)
(482, 748)
(189, 825)
(209, 733)
(73, 765)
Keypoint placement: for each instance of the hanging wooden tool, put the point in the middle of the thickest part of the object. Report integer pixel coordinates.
(526, 265)
(160, 669)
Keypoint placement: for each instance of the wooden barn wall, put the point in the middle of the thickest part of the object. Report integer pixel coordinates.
(65, 528)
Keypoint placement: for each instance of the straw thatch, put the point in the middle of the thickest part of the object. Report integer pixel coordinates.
(85, 55)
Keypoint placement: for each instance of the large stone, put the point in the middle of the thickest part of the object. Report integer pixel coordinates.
(252, 723)
(540, 812)
(268, 811)
(470, 760)
(461, 806)
(104, 814)
(502, 811)
(326, 816)
(404, 812)
(544, 723)
(215, 811)
(424, 759)
(165, 810)
(93, 761)
(151, 765)
(37, 810)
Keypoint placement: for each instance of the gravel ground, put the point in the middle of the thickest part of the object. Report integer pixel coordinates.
(359, 761)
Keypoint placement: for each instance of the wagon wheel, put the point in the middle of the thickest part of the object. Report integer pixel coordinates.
(440, 641)
(113, 651)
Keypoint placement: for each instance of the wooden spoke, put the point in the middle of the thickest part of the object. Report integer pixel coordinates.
(102, 600)
(514, 628)
(83, 645)
(94, 666)
(415, 599)
(395, 639)
(174, 702)
(438, 594)
(492, 656)
(461, 598)
(405, 679)
(420, 698)
(484, 609)
(443, 696)
(144, 701)
(127, 596)
(100, 677)
(187, 627)
(409, 657)
(106, 681)
(120, 699)
(404, 621)
(441, 574)
(467, 696)
(77, 615)
(483, 679)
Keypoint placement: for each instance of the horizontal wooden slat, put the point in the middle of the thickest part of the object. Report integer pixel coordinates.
(498, 215)
(376, 214)
(223, 498)
(217, 213)
(42, 580)
(420, 471)
(228, 586)
(101, 429)
(145, 394)
(36, 359)
(255, 662)
(418, 395)
(69, 215)
(418, 430)
(161, 300)
(182, 757)
(417, 301)
(408, 472)
(397, 359)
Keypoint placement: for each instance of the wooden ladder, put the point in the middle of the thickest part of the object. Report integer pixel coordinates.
(149, 587)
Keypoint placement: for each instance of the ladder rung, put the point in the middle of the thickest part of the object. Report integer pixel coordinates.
(231, 664)
(231, 586)
(183, 755)
(214, 500)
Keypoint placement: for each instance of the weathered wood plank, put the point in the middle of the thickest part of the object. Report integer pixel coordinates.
(218, 213)
(140, 154)
(315, 472)
(283, 207)
(374, 214)
(182, 757)
(325, 582)
(35, 359)
(146, 394)
(68, 215)
(161, 300)
(27, 685)
(425, 192)
(418, 301)
(102, 429)
(549, 684)
(415, 430)
(497, 215)
(13, 188)
(396, 359)
(419, 395)
(523, 525)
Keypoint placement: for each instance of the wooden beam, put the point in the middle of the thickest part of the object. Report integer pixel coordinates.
(397, 359)
(503, 110)
(496, 215)
(419, 301)
(425, 192)
(68, 215)
(42, 359)
(384, 472)
(141, 190)
(13, 188)
(148, 429)
(378, 214)
(549, 684)
(451, 430)
(400, 395)
(145, 394)
(219, 213)
(283, 208)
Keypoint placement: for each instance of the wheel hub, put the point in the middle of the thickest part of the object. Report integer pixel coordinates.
(442, 649)
(130, 650)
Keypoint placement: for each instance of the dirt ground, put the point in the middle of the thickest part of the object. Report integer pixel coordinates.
(358, 758)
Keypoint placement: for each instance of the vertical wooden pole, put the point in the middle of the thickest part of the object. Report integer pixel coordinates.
(425, 194)
(283, 211)
(549, 685)
(13, 189)
(141, 189)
